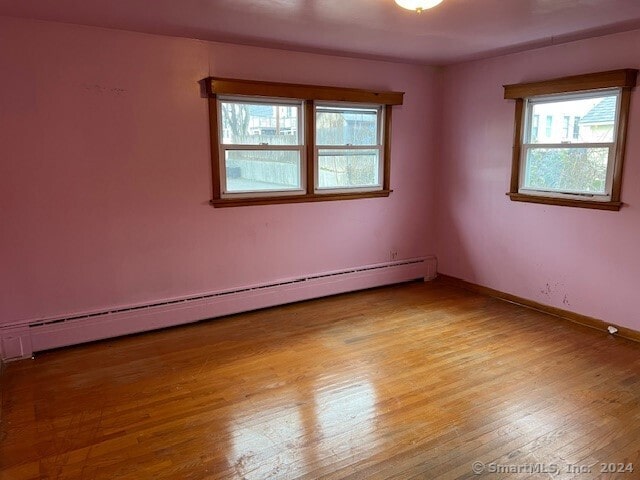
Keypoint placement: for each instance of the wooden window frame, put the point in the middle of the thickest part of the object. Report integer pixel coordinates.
(624, 79)
(309, 95)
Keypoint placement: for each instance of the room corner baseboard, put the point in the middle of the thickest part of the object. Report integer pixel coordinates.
(578, 318)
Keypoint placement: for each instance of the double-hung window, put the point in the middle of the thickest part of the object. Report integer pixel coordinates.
(283, 143)
(261, 147)
(578, 160)
(576, 168)
(349, 149)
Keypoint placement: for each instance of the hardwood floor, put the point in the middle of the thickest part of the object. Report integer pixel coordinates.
(419, 380)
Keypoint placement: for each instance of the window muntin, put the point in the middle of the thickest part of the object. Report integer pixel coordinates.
(262, 148)
(569, 162)
(349, 148)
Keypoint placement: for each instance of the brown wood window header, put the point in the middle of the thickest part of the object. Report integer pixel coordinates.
(290, 143)
(229, 86)
(569, 139)
(625, 78)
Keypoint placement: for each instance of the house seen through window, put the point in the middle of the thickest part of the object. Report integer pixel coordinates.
(577, 159)
(570, 164)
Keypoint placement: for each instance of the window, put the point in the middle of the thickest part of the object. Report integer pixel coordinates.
(565, 127)
(348, 148)
(534, 127)
(581, 169)
(261, 148)
(282, 143)
(548, 131)
(576, 128)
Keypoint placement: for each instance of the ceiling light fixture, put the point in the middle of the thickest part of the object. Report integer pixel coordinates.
(418, 5)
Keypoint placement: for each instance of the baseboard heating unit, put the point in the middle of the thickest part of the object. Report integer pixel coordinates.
(21, 339)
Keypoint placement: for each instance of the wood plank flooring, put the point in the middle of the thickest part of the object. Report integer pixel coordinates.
(415, 381)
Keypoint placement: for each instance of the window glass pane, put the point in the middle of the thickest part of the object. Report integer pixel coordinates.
(576, 127)
(565, 126)
(583, 120)
(259, 123)
(534, 127)
(348, 168)
(262, 170)
(549, 129)
(577, 170)
(346, 126)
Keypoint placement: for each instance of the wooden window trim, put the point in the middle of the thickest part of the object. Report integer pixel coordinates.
(624, 79)
(232, 86)
(309, 94)
(326, 197)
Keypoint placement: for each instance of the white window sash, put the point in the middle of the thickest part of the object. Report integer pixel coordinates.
(378, 146)
(300, 147)
(527, 145)
(604, 197)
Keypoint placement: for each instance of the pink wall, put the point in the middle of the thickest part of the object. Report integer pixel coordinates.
(105, 174)
(104, 178)
(586, 261)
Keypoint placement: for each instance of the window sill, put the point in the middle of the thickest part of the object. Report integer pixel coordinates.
(565, 202)
(242, 202)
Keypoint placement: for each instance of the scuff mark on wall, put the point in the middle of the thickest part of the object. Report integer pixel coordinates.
(101, 89)
(546, 290)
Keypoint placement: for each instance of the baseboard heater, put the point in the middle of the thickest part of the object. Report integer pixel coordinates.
(21, 339)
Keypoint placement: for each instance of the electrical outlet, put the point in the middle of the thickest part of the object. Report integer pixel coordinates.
(393, 255)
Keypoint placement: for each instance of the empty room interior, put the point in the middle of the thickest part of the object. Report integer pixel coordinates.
(312, 239)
